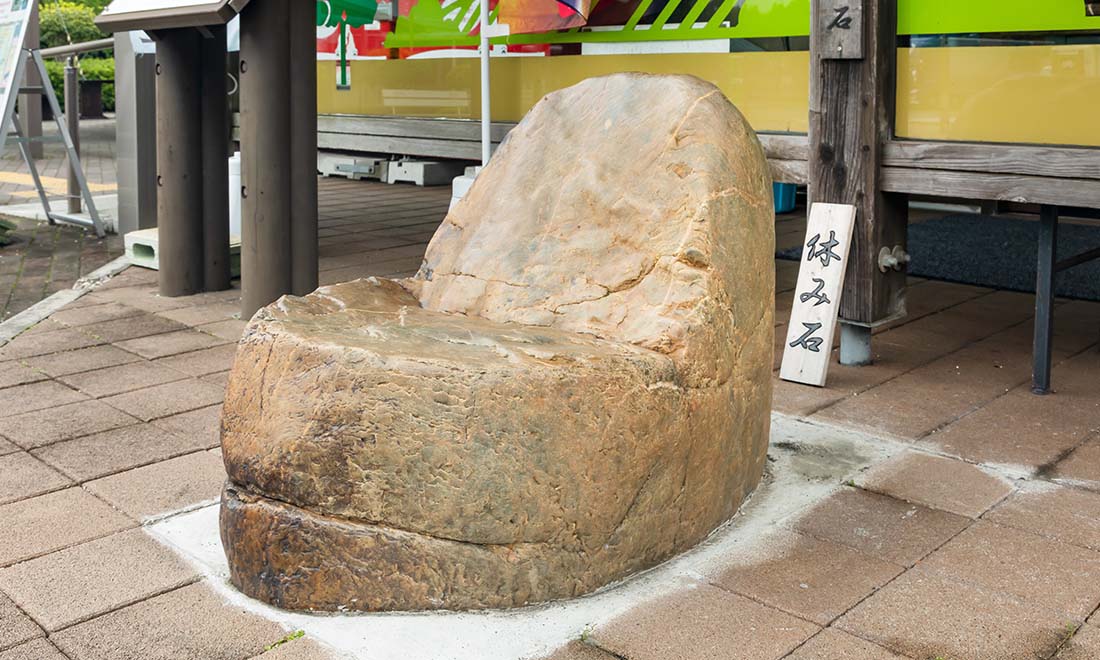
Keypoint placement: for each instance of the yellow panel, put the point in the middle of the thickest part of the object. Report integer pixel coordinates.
(769, 88)
(1036, 94)
(1040, 94)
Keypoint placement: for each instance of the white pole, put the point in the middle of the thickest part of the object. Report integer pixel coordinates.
(486, 116)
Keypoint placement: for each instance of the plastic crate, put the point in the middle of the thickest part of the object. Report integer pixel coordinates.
(784, 194)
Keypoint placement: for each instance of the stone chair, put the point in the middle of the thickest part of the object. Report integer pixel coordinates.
(574, 388)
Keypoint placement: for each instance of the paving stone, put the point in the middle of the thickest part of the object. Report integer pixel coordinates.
(143, 296)
(880, 526)
(1024, 565)
(7, 447)
(23, 476)
(93, 314)
(580, 651)
(1082, 467)
(703, 623)
(203, 424)
(123, 378)
(923, 400)
(924, 616)
(101, 454)
(13, 373)
(45, 325)
(227, 330)
(1066, 514)
(133, 327)
(40, 428)
(220, 380)
(78, 583)
(1029, 431)
(201, 626)
(169, 399)
(15, 626)
(204, 362)
(172, 343)
(50, 522)
(298, 649)
(833, 644)
(164, 487)
(200, 314)
(37, 396)
(25, 345)
(38, 649)
(936, 482)
(1084, 645)
(84, 359)
(813, 579)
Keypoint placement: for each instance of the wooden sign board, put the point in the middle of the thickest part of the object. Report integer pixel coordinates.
(817, 296)
(839, 26)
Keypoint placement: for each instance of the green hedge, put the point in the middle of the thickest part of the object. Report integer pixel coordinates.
(79, 18)
(90, 69)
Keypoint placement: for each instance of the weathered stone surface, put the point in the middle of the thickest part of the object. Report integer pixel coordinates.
(575, 387)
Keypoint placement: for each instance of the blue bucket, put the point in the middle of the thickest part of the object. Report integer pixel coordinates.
(784, 194)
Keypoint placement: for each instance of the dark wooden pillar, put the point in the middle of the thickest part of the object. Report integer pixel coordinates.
(278, 152)
(179, 162)
(215, 160)
(853, 53)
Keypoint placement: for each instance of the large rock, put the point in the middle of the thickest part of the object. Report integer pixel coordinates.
(575, 387)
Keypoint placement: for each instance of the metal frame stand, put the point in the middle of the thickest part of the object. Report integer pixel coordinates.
(1048, 269)
(93, 220)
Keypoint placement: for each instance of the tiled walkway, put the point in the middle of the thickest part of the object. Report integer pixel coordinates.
(43, 259)
(981, 540)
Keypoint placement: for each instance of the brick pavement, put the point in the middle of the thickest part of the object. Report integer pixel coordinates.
(980, 540)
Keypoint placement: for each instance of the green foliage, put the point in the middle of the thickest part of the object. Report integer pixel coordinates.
(292, 636)
(62, 19)
(6, 227)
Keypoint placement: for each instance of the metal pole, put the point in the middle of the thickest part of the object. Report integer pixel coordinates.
(265, 155)
(72, 120)
(179, 163)
(215, 163)
(1044, 299)
(486, 88)
(303, 148)
(30, 105)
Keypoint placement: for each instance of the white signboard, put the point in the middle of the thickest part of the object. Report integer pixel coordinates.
(14, 16)
(817, 297)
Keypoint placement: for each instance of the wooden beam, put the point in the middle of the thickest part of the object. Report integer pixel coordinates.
(851, 119)
(1002, 187)
(1063, 162)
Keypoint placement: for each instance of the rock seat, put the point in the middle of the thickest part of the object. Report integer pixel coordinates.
(575, 387)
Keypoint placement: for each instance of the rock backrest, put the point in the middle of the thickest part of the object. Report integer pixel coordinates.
(633, 207)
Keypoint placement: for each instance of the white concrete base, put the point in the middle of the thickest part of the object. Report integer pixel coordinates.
(462, 184)
(810, 462)
(423, 172)
(143, 249)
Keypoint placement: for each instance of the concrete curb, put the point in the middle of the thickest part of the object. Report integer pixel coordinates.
(42, 310)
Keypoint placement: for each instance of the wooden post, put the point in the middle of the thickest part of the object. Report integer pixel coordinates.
(853, 53)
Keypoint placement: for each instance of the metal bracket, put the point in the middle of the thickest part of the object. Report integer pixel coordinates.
(896, 258)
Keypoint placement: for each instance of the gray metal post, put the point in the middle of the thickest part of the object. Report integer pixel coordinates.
(266, 162)
(1044, 299)
(179, 163)
(855, 345)
(72, 120)
(136, 122)
(30, 105)
(303, 147)
(215, 165)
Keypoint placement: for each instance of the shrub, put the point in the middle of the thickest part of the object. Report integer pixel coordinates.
(90, 69)
(77, 18)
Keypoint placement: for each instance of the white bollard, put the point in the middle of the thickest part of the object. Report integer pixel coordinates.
(235, 197)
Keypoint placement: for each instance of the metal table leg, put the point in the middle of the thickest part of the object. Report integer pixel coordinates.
(1044, 299)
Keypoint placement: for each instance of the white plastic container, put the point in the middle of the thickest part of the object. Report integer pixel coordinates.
(235, 196)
